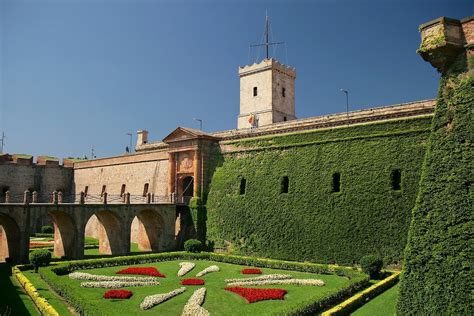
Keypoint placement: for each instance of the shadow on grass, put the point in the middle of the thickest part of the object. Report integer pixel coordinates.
(11, 295)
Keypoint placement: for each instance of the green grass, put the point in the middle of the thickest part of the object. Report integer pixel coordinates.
(218, 301)
(92, 253)
(12, 296)
(384, 304)
(45, 291)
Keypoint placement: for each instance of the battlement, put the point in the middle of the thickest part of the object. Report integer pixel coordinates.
(29, 160)
(267, 64)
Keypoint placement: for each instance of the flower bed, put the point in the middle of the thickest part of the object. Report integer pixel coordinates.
(192, 281)
(193, 306)
(261, 278)
(151, 271)
(209, 269)
(98, 277)
(153, 300)
(118, 294)
(312, 282)
(185, 267)
(251, 271)
(117, 284)
(255, 295)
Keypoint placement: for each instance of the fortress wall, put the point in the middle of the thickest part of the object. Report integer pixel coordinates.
(132, 170)
(311, 222)
(18, 178)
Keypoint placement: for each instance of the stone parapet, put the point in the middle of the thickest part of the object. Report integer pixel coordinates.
(361, 116)
(124, 159)
(267, 64)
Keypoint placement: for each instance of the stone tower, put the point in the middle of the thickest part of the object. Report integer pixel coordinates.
(267, 94)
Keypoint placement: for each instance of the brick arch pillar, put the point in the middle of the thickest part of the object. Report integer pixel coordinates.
(149, 231)
(10, 243)
(114, 235)
(65, 235)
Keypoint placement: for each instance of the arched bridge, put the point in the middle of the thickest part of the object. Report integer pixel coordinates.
(156, 227)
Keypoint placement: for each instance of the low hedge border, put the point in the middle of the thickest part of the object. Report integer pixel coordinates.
(52, 275)
(40, 302)
(354, 302)
(51, 248)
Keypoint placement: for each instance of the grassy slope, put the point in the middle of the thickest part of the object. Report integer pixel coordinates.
(218, 301)
(384, 304)
(12, 295)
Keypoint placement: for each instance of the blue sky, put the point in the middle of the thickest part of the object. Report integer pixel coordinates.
(76, 74)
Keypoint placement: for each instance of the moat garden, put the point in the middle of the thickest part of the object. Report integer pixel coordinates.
(191, 283)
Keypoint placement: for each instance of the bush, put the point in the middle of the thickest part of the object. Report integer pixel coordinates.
(47, 229)
(371, 265)
(193, 245)
(40, 258)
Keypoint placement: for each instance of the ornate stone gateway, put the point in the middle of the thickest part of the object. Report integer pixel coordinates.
(186, 162)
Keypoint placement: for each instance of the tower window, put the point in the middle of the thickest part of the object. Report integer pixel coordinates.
(104, 187)
(285, 119)
(255, 91)
(122, 190)
(283, 92)
(86, 190)
(243, 184)
(336, 182)
(145, 189)
(284, 184)
(396, 179)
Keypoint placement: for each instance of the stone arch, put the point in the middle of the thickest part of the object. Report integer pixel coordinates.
(147, 231)
(108, 231)
(64, 234)
(10, 239)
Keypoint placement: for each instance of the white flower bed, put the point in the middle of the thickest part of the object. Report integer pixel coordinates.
(185, 268)
(208, 270)
(156, 299)
(95, 277)
(117, 284)
(193, 306)
(261, 278)
(314, 282)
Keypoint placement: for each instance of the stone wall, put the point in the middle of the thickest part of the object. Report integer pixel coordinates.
(133, 171)
(20, 174)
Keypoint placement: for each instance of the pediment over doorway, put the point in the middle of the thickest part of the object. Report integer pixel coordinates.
(185, 133)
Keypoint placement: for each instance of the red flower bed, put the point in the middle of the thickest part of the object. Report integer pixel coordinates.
(118, 294)
(192, 282)
(151, 271)
(255, 295)
(251, 271)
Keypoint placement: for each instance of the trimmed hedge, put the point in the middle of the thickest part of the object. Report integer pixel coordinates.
(310, 222)
(53, 275)
(438, 277)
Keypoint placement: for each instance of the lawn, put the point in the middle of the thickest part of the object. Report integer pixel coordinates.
(217, 302)
(384, 304)
(12, 297)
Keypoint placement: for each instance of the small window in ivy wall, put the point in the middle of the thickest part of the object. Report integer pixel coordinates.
(396, 180)
(284, 184)
(243, 184)
(336, 182)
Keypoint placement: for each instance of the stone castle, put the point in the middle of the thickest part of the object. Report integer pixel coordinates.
(182, 166)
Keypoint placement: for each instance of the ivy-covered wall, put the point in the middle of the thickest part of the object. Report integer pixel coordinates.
(438, 278)
(311, 222)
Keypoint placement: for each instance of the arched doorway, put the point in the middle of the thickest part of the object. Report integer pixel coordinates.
(147, 231)
(105, 226)
(64, 234)
(9, 239)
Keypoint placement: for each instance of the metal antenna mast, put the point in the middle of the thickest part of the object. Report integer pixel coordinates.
(2, 142)
(267, 43)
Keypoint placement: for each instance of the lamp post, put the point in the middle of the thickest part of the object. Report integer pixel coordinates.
(347, 100)
(130, 148)
(200, 122)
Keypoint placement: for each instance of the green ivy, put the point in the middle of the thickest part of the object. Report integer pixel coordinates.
(438, 278)
(310, 222)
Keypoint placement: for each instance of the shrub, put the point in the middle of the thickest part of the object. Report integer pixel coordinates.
(151, 271)
(47, 229)
(40, 258)
(255, 295)
(371, 265)
(193, 245)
